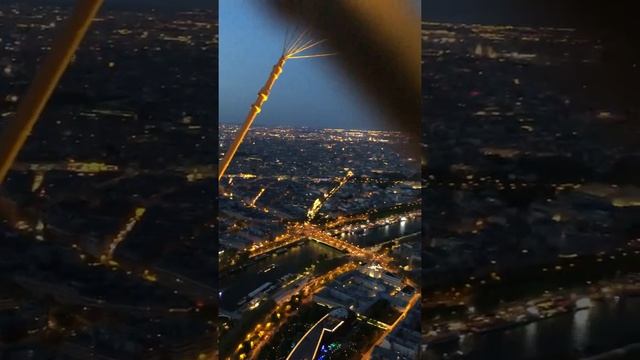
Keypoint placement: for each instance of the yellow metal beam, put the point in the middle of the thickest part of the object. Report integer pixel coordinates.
(263, 95)
(53, 67)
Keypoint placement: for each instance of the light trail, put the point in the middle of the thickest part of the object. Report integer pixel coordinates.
(291, 50)
(253, 202)
(318, 203)
(122, 234)
(38, 180)
(372, 322)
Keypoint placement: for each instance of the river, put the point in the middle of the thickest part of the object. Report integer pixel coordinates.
(293, 261)
(296, 259)
(384, 233)
(605, 326)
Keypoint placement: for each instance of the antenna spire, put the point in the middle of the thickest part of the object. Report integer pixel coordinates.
(294, 48)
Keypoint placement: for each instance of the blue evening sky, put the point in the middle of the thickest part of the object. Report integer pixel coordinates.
(315, 93)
